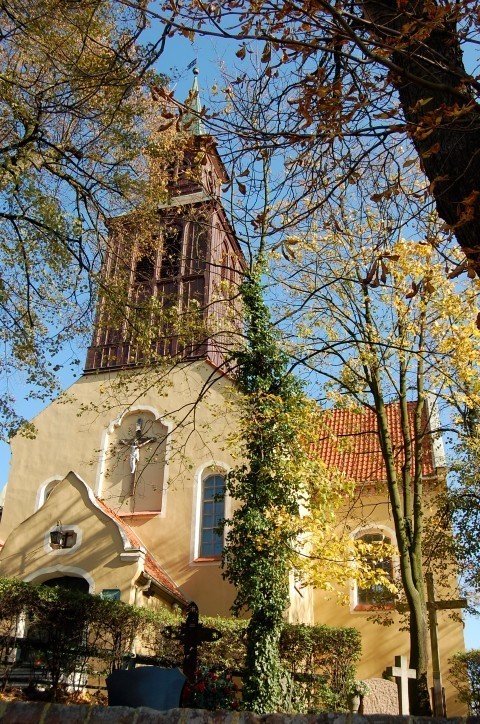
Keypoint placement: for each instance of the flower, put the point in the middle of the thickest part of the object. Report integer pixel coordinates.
(359, 688)
(211, 690)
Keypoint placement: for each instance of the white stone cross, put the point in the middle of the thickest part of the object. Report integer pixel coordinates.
(402, 674)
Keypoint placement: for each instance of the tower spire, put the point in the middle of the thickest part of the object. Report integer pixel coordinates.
(192, 120)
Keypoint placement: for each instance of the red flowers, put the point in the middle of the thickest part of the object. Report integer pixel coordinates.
(212, 690)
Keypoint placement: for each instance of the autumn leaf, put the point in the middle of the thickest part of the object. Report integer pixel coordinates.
(413, 292)
(267, 54)
(467, 208)
(433, 149)
(392, 257)
(422, 133)
(382, 195)
(166, 126)
(383, 276)
(371, 273)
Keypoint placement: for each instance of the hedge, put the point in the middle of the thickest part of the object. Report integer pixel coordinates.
(69, 633)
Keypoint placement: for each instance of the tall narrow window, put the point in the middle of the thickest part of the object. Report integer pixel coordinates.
(144, 269)
(213, 510)
(377, 596)
(195, 247)
(171, 253)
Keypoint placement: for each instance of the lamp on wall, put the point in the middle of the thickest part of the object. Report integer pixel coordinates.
(58, 537)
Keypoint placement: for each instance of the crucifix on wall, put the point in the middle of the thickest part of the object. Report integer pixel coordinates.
(135, 443)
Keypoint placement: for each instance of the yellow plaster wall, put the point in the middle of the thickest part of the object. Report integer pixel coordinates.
(28, 555)
(385, 639)
(68, 439)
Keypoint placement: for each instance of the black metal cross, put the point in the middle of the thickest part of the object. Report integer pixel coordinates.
(191, 633)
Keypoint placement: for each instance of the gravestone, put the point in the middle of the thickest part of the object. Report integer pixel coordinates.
(382, 697)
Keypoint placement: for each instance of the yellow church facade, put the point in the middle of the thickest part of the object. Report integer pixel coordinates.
(76, 476)
(120, 487)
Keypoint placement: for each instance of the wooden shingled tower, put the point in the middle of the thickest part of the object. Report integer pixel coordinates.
(192, 267)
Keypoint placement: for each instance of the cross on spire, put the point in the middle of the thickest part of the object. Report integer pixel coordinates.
(192, 120)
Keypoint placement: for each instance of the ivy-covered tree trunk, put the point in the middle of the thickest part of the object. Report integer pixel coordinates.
(260, 542)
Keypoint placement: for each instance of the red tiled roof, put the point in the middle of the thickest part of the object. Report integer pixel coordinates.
(348, 441)
(151, 567)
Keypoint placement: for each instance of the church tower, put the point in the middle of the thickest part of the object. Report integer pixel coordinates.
(126, 474)
(184, 277)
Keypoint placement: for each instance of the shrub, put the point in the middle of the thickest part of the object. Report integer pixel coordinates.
(59, 622)
(322, 661)
(75, 634)
(464, 673)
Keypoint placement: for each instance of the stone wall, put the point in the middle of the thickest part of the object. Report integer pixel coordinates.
(40, 713)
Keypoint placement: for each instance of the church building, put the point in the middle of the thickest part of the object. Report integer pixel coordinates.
(118, 492)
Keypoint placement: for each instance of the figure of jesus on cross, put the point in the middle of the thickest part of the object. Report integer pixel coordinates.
(135, 443)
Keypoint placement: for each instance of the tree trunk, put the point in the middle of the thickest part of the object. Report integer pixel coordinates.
(442, 116)
(410, 567)
(418, 688)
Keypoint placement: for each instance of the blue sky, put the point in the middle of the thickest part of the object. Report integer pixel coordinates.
(210, 53)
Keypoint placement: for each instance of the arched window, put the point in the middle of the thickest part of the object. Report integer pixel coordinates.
(135, 466)
(212, 512)
(46, 489)
(376, 596)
